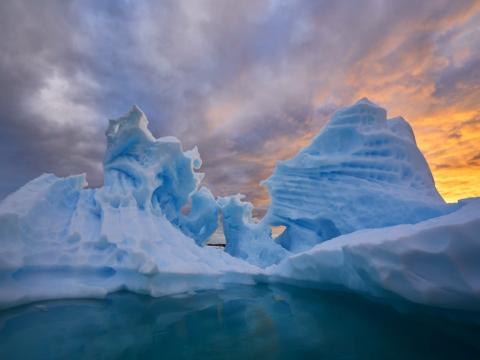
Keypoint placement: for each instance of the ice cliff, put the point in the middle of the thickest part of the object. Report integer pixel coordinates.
(359, 205)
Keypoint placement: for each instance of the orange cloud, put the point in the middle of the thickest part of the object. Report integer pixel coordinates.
(447, 126)
(418, 70)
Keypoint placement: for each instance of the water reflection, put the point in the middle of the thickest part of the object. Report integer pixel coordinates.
(265, 322)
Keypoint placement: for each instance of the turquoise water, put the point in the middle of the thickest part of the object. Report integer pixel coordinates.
(258, 322)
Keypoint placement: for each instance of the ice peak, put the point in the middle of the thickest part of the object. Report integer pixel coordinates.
(134, 116)
(366, 101)
(137, 115)
(135, 109)
(358, 158)
(134, 119)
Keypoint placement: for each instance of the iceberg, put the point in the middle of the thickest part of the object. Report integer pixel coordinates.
(359, 206)
(60, 239)
(434, 262)
(361, 171)
(155, 174)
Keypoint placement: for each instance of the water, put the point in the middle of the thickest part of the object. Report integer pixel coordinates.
(258, 322)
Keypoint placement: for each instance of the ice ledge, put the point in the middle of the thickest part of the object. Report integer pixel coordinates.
(434, 262)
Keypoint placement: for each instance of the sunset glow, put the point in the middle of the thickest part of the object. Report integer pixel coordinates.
(250, 83)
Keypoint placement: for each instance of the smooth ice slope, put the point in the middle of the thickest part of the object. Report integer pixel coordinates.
(361, 171)
(434, 262)
(59, 239)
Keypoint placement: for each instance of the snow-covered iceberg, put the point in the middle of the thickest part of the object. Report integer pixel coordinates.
(434, 262)
(156, 175)
(361, 171)
(359, 204)
(60, 239)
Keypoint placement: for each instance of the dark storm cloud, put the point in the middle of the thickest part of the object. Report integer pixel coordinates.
(233, 77)
(34, 38)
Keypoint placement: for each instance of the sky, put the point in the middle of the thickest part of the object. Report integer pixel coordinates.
(249, 82)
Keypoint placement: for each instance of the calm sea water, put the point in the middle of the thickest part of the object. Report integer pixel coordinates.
(258, 322)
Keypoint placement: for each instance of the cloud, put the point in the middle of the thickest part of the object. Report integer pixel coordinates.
(476, 157)
(250, 82)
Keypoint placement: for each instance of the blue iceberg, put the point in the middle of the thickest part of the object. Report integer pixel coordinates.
(247, 239)
(61, 239)
(359, 206)
(361, 171)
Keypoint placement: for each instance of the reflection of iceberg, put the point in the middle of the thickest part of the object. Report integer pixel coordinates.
(60, 239)
(283, 322)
